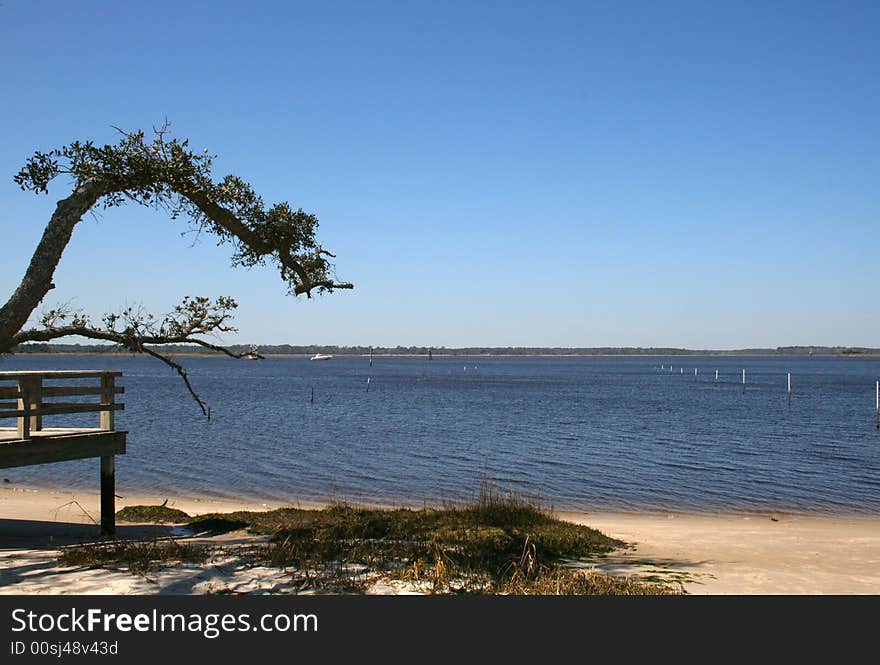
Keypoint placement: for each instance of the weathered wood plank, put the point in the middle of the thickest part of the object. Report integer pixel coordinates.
(61, 448)
(67, 391)
(57, 408)
(8, 433)
(59, 374)
(12, 392)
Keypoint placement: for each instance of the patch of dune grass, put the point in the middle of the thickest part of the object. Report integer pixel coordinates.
(138, 557)
(160, 514)
(499, 544)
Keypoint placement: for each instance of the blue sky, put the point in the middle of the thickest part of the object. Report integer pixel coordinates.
(489, 173)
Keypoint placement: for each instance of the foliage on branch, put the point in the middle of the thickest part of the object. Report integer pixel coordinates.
(162, 173)
(140, 332)
(165, 173)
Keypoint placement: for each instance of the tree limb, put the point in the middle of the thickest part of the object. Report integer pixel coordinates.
(134, 343)
(163, 174)
(182, 373)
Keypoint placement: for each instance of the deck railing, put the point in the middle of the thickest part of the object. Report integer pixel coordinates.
(33, 400)
(26, 397)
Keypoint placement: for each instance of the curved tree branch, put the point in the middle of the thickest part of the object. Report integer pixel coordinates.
(163, 174)
(131, 341)
(48, 334)
(182, 373)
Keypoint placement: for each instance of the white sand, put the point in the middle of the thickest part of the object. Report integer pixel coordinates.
(748, 554)
(35, 523)
(715, 554)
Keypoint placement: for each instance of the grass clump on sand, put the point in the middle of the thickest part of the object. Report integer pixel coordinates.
(138, 557)
(500, 544)
(160, 514)
(217, 523)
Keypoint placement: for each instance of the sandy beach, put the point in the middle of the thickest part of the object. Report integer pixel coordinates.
(705, 554)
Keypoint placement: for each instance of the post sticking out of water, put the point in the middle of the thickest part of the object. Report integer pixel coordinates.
(789, 392)
(744, 377)
(877, 405)
(368, 384)
(371, 356)
(716, 376)
(695, 373)
(682, 370)
(313, 395)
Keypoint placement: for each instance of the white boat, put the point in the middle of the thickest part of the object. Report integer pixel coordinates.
(252, 354)
(320, 356)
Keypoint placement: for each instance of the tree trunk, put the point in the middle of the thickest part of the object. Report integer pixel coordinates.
(37, 280)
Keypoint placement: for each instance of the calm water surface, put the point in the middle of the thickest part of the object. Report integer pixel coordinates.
(583, 433)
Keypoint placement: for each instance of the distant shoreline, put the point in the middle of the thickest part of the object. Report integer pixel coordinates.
(267, 355)
(300, 350)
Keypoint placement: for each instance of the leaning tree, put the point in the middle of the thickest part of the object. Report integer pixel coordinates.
(163, 173)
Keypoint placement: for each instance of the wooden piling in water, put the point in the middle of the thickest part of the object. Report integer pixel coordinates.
(877, 405)
(695, 374)
(313, 395)
(371, 356)
(788, 393)
(716, 376)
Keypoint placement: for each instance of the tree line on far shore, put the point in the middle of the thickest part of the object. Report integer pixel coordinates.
(289, 349)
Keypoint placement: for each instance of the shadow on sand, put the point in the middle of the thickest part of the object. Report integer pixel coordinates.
(34, 534)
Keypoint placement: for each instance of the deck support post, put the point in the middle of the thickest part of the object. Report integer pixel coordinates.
(108, 495)
(30, 388)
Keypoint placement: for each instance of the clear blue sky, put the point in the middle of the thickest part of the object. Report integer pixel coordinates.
(696, 174)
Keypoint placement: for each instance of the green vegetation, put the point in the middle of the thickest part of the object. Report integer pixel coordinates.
(137, 557)
(164, 174)
(161, 514)
(499, 545)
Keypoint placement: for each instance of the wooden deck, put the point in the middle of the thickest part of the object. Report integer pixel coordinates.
(29, 442)
(58, 445)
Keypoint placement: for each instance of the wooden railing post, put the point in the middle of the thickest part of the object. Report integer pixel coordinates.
(23, 422)
(108, 462)
(31, 398)
(108, 396)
